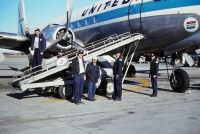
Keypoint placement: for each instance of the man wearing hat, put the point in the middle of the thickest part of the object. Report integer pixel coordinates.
(38, 44)
(154, 74)
(78, 74)
(92, 75)
(118, 75)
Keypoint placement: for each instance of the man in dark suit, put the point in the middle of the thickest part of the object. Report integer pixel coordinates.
(38, 44)
(118, 75)
(154, 74)
(78, 74)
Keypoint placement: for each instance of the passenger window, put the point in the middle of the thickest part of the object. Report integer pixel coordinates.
(72, 26)
(79, 24)
(86, 22)
(94, 19)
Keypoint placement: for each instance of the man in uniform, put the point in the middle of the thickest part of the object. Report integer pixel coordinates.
(154, 74)
(118, 75)
(38, 44)
(78, 74)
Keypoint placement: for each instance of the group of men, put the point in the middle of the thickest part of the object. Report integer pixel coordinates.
(90, 73)
(81, 73)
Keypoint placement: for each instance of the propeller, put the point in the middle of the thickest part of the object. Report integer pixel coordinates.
(67, 36)
(69, 12)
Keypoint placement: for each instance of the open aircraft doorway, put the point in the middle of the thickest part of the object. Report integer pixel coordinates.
(135, 15)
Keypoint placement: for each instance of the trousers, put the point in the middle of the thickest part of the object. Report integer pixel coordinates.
(154, 85)
(91, 90)
(78, 86)
(117, 88)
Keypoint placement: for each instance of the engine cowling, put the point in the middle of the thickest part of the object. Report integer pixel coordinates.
(55, 32)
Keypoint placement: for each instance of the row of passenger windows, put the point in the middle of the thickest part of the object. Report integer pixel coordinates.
(84, 22)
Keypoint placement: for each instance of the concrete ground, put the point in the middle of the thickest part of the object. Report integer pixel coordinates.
(137, 113)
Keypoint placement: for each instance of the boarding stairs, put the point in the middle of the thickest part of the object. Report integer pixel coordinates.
(56, 64)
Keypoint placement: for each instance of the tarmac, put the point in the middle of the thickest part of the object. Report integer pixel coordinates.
(137, 113)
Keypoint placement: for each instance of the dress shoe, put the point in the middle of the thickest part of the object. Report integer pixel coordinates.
(118, 99)
(154, 95)
(78, 102)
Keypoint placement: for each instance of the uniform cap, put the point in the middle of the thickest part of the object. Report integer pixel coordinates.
(80, 52)
(37, 29)
(118, 51)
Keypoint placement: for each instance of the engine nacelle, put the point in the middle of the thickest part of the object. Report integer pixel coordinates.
(54, 32)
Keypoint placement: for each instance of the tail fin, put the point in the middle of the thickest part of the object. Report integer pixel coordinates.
(22, 24)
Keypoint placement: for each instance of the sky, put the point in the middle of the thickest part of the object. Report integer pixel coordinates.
(37, 12)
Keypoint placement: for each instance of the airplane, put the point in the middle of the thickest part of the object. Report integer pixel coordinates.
(170, 27)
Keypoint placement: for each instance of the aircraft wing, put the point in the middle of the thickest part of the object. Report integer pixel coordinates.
(14, 42)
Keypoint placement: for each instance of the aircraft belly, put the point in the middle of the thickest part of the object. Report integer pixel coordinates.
(192, 41)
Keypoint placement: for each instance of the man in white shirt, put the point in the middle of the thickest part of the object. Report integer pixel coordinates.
(78, 74)
(38, 44)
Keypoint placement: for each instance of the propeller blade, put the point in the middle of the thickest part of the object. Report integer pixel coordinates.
(2, 57)
(53, 43)
(69, 12)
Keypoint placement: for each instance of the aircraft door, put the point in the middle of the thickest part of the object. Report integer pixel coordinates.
(134, 15)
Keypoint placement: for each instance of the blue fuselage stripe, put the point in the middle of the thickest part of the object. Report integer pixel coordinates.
(135, 9)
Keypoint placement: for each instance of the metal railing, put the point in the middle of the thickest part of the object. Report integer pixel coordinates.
(95, 48)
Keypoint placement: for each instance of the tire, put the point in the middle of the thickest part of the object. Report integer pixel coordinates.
(109, 88)
(65, 92)
(15, 85)
(106, 87)
(131, 71)
(182, 82)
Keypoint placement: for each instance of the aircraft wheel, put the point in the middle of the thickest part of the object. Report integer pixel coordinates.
(131, 71)
(15, 85)
(65, 92)
(110, 88)
(180, 82)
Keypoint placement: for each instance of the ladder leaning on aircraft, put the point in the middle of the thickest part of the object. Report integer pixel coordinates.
(53, 71)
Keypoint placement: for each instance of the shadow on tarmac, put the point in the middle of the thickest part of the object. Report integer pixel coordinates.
(130, 82)
(166, 90)
(29, 94)
(195, 86)
(136, 92)
(147, 71)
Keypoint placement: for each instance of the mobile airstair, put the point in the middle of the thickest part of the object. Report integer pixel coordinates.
(52, 69)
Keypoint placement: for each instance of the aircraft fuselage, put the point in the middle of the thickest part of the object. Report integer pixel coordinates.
(163, 22)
